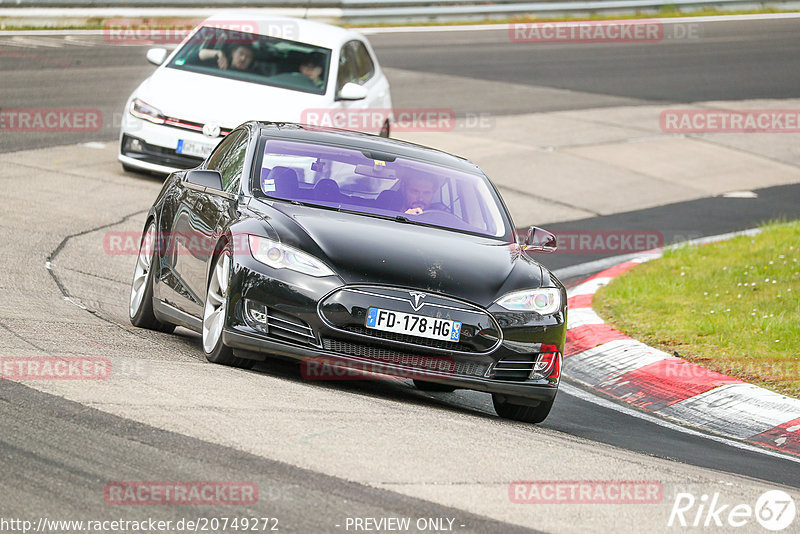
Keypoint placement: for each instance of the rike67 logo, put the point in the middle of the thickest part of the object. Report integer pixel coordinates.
(774, 510)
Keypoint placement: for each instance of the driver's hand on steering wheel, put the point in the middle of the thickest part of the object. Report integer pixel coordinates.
(414, 211)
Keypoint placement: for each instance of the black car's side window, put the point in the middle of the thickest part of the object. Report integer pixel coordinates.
(228, 159)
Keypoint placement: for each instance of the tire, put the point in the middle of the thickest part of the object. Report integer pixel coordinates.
(433, 386)
(385, 130)
(140, 306)
(517, 412)
(215, 310)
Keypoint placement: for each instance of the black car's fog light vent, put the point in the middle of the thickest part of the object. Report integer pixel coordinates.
(278, 324)
(438, 364)
(526, 366)
(255, 315)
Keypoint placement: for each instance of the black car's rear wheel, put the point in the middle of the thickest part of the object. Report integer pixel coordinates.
(518, 412)
(433, 386)
(214, 311)
(140, 309)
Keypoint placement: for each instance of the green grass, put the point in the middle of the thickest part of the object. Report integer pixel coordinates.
(732, 306)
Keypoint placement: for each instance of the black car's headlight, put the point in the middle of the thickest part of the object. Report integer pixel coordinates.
(280, 256)
(544, 300)
(143, 110)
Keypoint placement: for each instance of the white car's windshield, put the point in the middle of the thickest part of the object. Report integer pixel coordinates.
(381, 184)
(255, 58)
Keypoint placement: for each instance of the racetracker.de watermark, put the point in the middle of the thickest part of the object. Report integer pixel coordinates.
(762, 370)
(124, 242)
(400, 119)
(604, 241)
(730, 121)
(50, 120)
(175, 31)
(602, 31)
(54, 368)
(586, 492)
(413, 366)
(193, 493)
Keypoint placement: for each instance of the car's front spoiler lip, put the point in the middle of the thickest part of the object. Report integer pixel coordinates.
(246, 342)
(146, 165)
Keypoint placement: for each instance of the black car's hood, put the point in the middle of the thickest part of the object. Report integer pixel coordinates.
(363, 249)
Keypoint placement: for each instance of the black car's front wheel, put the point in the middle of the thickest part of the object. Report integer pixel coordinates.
(214, 311)
(518, 412)
(140, 308)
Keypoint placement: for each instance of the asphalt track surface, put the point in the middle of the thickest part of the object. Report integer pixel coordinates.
(720, 61)
(56, 452)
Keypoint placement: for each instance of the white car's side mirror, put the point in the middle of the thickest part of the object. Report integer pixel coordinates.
(156, 56)
(352, 91)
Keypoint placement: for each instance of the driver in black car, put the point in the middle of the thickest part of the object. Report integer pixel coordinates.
(417, 193)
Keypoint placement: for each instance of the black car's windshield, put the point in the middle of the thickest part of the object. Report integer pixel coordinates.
(255, 58)
(381, 184)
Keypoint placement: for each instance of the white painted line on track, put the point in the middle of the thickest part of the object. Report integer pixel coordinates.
(605, 403)
(490, 27)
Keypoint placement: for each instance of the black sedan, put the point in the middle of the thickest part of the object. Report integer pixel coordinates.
(349, 250)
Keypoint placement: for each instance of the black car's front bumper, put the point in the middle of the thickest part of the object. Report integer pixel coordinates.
(322, 320)
(520, 391)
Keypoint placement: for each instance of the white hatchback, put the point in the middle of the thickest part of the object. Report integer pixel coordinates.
(235, 68)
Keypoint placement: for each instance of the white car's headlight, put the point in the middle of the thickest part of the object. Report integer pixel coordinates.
(143, 110)
(280, 256)
(545, 300)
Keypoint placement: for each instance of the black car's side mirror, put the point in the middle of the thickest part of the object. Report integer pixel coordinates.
(539, 240)
(206, 179)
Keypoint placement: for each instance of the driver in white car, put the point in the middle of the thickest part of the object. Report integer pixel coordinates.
(241, 58)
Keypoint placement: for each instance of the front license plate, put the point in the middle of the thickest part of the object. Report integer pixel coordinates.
(413, 325)
(190, 148)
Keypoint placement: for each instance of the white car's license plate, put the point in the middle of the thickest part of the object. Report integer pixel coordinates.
(191, 148)
(414, 325)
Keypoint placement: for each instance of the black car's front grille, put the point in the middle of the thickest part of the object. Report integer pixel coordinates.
(414, 340)
(347, 308)
(442, 364)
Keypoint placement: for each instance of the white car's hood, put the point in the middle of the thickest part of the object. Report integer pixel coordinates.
(228, 103)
